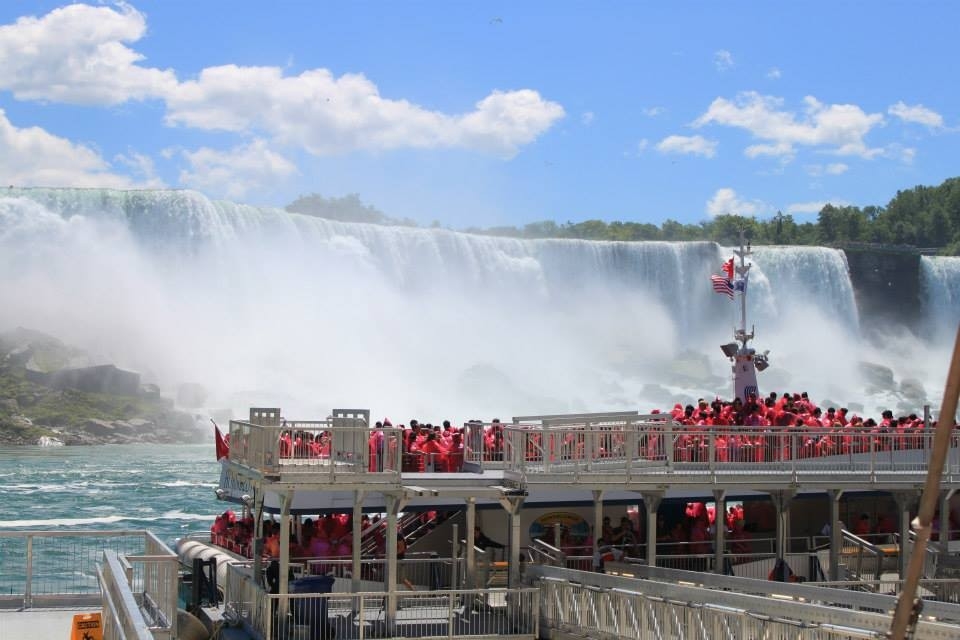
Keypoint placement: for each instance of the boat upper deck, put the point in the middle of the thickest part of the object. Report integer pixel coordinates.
(584, 451)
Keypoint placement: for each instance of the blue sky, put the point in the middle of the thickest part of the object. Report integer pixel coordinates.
(483, 114)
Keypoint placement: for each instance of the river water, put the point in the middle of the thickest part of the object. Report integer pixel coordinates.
(168, 489)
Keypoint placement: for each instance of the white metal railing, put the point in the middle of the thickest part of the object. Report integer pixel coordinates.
(460, 613)
(122, 618)
(641, 444)
(59, 568)
(701, 606)
(152, 579)
(424, 571)
(318, 447)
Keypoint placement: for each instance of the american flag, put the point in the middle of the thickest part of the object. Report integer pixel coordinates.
(722, 285)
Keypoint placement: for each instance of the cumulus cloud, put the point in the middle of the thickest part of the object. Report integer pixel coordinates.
(76, 54)
(79, 54)
(325, 114)
(692, 145)
(726, 201)
(31, 156)
(916, 113)
(723, 60)
(839, 128)
(236, 172)
(832, 169)
(142, 166)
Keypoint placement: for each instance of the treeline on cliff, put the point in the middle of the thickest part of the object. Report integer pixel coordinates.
(923, 217)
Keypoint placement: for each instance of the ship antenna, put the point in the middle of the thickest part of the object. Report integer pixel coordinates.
(746, 362)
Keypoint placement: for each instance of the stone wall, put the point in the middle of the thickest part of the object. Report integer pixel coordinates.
(886, 283)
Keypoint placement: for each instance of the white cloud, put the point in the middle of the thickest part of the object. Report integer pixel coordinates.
(642, 145)
(832, 169)
(587, 118)
(79, 54)
(694, 145)
(813, 207)
(836, 168)
(32, 156)
(324, 114)
(723, 60)
(917, 113)
(234, 173)
(140, 165)
(653, 112)
(897, 151)
(774, 73)
(76, 54)
(839, 127)
(726, 201)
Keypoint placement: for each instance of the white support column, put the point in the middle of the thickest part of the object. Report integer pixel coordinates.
(286, 500)
(393, 504)
(257, 542)
(597, 518)
(905, 501)
(945, 534)
(512, 506)
(651, 504)
(836, 536)
(358, 497)
(471, 525)
(781, 500)
(720, 530)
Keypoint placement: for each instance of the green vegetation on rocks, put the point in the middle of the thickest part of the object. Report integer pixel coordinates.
(30, 410)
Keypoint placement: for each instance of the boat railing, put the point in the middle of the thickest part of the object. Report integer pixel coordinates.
(342, 448)
(44, 568)
(928, 589)
(541, 552)
(864, 560)
(424, 571)
(646, 444)
(121, 614)
(460, 613)
(658, 602)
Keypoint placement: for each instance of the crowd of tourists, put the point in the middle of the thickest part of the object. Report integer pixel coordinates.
(756, 430)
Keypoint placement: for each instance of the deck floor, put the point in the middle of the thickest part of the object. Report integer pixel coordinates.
(38, 624)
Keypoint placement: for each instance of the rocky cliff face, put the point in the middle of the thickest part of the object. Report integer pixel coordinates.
(886, 285)
(36, 403)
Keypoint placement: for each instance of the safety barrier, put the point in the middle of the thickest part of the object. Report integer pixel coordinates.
(352, 452)
(675, 604)
(642, 445)
(122, 618)
(486, 613)
(59, 568)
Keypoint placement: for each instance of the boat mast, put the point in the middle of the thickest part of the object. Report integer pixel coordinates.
(746, 362)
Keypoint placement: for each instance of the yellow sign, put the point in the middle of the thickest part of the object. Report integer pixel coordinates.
(86, 626)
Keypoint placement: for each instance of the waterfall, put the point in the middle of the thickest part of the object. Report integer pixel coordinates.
(264, 306)
(940, 282)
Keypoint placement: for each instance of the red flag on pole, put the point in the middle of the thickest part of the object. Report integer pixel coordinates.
(223, 443)
(728, 268)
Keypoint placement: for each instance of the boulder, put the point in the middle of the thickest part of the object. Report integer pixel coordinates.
(878, 376)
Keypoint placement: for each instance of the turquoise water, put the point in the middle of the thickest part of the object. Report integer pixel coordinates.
(168, 489)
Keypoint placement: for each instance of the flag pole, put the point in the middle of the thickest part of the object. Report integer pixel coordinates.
(908, 609)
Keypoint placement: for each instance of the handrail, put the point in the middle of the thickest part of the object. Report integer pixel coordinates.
(122, 617)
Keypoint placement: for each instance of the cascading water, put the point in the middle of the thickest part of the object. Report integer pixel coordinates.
(267, 307)
(940, 282)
